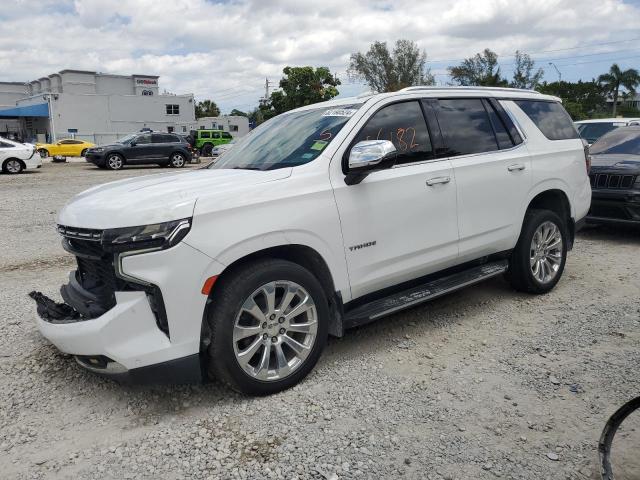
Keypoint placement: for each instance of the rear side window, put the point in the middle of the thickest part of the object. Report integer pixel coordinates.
(226, 135)
(163, 138)
(550, 117)
(404, 125)
(466, 126)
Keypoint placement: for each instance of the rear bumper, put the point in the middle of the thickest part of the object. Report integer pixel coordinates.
(621, 207)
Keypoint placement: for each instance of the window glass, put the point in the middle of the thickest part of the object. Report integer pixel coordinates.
(226, 135)
(504, 140)
(550, 117)
(216, 134)
(173, 109)
(65, 142)
(162, 138)
(142, 139)
(593, 131)
(205, 134)
(624, 141)
(466, 126)
(404, 125)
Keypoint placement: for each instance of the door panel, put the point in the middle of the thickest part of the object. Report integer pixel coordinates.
(412, 226)
(493, 176)
(142, 151)
(398, 223)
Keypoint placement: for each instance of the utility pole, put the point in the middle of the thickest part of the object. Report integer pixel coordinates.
(558, 71)
(266, 88)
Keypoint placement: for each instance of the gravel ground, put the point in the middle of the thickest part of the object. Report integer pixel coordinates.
(480, 384)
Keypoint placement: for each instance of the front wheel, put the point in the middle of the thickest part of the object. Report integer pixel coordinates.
(114, 161)
(267, 327)
(538, 260)
(83, 152)
(177, 160)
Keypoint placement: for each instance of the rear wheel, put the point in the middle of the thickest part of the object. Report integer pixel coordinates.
(177, 160)
(268, 327)
(12, 166)
(114, 161)
(538, 260)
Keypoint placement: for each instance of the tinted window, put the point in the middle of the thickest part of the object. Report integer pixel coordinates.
(550, 117)
(226, 135)
(216, 135)
(163, 138)
(504, 140)
(624, 141)
(404, 125)
(205, 135)
(466, 126)
(143, 139)
(593, 131)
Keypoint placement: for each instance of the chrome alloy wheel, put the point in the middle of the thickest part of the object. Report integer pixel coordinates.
(275, 330)
(545, 254)
(177, 160)
(115, 162)
(13, 166)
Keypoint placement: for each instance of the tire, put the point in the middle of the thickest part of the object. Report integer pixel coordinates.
(114, 161)
(44, 153)
(177, 160)
(228, 315)
(536, 265)
(12, 166)
(83, 152)
(206, 149)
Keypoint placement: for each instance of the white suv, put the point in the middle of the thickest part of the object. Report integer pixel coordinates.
(16, 157)
(323, 218)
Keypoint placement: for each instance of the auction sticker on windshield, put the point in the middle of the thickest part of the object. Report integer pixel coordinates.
(339, 112)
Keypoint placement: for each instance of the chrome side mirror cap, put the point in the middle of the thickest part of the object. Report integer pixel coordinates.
(369, 153)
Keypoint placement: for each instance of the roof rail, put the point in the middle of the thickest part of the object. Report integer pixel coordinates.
(498, 89)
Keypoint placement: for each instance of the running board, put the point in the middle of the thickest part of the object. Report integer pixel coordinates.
(422, 293)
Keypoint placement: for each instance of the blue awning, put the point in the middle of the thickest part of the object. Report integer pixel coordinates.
(38, 110)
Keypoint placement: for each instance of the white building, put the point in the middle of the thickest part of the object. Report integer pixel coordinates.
(237, 126)
(92, 106)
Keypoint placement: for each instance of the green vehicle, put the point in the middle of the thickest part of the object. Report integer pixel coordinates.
(205, 140)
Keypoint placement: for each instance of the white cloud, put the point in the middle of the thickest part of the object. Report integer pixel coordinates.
(224, 49)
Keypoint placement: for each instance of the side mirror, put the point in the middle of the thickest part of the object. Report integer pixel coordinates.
(365, 156)
(133, 143)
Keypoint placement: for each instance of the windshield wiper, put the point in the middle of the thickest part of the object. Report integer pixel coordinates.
(247, 168)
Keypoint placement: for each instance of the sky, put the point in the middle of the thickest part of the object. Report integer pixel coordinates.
(225, 49)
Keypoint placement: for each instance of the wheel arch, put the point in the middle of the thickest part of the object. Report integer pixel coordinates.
(303, 255)
(556, 200)
(4, 162)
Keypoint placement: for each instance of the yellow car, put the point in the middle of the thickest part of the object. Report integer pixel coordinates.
(68, 147)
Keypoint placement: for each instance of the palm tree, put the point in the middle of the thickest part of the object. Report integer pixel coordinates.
(616, 78)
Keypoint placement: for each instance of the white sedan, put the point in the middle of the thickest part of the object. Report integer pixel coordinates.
(16, 157)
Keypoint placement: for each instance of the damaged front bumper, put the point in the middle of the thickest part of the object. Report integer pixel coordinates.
(124, 343)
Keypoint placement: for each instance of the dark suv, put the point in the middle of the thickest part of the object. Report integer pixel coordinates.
(164, 149)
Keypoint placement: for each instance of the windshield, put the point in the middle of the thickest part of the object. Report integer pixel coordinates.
(593, 131)
(126, 139)
(288, 140)
(620, 141)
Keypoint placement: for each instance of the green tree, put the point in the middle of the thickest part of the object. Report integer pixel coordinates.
(238, 113)
(386, 71)
(525, 75)
(300, 86)
(617, 78)
(207, 108)
(479, 70)
(581, 99)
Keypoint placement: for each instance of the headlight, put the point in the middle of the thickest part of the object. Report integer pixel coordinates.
(156, 237)
(97, 149)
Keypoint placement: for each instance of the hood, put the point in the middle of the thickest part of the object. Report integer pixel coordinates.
(616, 161)
(156, 198)
(108, 145)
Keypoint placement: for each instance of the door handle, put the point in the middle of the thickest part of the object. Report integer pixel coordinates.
(515, 167)
(434, 181)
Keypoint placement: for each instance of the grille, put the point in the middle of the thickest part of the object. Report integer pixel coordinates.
(96, 272)
(606, 180)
